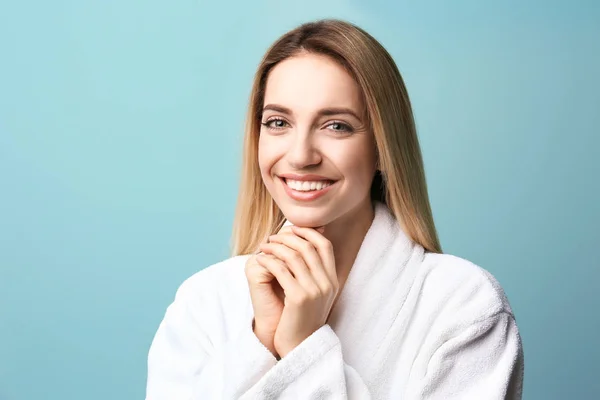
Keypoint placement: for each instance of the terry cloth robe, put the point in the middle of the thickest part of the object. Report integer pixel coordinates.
(409, 324)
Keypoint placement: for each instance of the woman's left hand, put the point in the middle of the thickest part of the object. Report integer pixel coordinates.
(304, 265)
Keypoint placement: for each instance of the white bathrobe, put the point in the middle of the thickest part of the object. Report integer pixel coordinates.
(409, 324)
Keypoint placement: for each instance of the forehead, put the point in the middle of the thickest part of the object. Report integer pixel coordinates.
(309, 82)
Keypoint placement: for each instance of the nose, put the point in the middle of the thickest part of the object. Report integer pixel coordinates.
(302, 152)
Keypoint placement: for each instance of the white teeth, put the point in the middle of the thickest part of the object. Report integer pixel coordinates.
(306, 186)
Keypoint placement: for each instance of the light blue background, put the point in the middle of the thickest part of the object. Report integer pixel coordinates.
(120, 133)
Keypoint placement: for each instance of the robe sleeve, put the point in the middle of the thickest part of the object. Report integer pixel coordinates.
(315, 369)
(184, 364)
(483, 361)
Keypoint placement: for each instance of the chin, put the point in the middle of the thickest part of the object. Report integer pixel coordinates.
(306, 217)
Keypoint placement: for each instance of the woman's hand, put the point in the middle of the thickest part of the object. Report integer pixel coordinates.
(304, 265)
(267, 300)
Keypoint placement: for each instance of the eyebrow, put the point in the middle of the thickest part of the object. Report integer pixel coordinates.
(322, 112)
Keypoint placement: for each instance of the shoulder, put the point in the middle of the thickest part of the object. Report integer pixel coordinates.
(223, 276)
(461, 284)
(204, 307)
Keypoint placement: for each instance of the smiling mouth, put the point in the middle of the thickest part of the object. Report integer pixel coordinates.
(307, 186)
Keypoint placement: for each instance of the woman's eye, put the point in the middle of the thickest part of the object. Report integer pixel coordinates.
(339, 127)
(275, 124)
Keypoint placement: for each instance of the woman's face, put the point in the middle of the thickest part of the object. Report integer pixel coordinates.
(316, 156)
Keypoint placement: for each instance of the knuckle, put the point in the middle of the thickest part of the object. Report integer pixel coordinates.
(275, 264)
(296, 257)
(306, 247)
(300, 298)
(280, 266)
(328, 288)
(249, 267)
(314, 294)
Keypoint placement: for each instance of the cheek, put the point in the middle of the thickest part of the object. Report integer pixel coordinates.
(360, 173)
(357, 163)
(261, 158)
(267, 156)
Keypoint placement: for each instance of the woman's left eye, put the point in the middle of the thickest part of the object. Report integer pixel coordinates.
(339, 127)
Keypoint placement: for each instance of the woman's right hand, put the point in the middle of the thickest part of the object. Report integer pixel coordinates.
(267, 300)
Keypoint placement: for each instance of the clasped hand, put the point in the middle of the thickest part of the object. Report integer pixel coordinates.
(303, 263)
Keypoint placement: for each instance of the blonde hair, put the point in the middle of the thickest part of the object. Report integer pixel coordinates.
(400, 179)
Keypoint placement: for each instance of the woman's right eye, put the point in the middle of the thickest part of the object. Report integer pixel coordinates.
(275, 123)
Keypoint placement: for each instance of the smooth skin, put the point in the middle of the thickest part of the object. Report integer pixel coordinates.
(313, 123)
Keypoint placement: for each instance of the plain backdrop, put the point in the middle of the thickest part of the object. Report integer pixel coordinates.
(120, 139)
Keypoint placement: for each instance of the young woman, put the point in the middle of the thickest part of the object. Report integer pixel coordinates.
(337, 287)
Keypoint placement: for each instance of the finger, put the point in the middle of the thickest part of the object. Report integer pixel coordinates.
(310, 255)
(295, 263)
(288, 229)
(281, 273)
(285, 229)
(323, 247)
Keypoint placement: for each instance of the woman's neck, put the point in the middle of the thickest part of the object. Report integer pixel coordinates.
(346, 235)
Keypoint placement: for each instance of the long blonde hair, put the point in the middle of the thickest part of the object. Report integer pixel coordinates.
(400, 179)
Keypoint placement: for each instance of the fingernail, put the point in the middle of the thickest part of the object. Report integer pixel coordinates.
(321, 229)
